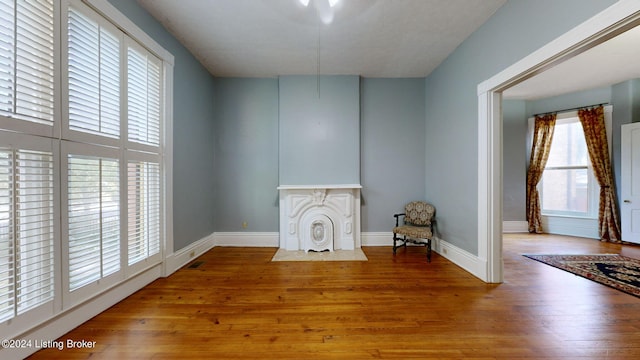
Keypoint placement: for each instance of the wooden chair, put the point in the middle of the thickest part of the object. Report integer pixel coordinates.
(417, 228)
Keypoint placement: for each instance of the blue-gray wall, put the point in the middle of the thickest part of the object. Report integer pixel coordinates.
(514, 159)
(193, 131)
(517, 29)
(392, 143)
(246, 150)
(319, 130)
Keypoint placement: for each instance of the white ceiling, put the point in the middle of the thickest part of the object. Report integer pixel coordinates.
(609, 63)
(373, 38)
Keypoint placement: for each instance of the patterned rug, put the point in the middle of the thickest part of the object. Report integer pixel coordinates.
(616, 271)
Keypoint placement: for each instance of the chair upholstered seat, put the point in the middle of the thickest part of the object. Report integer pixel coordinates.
(416, 232)
(419, 220)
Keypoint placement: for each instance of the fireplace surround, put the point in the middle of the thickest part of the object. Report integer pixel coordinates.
(320, 217)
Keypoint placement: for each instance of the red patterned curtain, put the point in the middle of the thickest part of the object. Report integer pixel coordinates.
(542, 136)
(595, 134)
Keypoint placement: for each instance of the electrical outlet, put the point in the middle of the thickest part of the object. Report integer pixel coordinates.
(244, 225)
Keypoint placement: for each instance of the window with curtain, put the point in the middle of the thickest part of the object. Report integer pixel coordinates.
(568, 186)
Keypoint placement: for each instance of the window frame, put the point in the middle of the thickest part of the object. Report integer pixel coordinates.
(592, 185)
(62, 142)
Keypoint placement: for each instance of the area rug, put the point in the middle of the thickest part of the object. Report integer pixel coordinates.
(616, 271)
(337, 255)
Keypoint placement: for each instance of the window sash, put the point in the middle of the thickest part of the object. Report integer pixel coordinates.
(27, 234)
(144, 84)
(94, 74)
(93, 218)
(143, 218)
(27, 60)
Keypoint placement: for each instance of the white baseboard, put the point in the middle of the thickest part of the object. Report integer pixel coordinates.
(466, 260)
(515, 227)
(183, 256)
(377, 238)
(248, 239)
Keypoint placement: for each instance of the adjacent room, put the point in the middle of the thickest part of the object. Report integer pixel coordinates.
(157, 156)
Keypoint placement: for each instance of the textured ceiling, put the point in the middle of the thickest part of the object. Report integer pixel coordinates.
(609, 63)
(373, 38)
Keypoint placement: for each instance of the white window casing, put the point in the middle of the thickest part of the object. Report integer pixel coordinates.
(85, 156)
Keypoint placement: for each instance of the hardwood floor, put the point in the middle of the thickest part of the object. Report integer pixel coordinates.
(240, 305)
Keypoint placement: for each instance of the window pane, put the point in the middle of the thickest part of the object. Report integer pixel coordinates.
(26, 231)
(94, 230)
(27, 60)
(144, 210)
(568, 147)
(565, 190)
(94, 77)
(143, 102)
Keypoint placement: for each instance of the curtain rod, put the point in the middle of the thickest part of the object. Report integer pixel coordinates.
(570, 109)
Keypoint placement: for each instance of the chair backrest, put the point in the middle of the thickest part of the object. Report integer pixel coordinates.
(418, 213)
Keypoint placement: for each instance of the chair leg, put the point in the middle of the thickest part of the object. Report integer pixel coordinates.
(395, 238)
(429, 250)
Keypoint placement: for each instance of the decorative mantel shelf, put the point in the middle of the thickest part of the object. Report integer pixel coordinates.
(320, 217)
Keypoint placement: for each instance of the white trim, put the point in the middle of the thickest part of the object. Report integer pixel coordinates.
(619, 17)
(71, 318)
(248, 239)
(130, 28)
(464, 259)
(515, 227)
(382, 238)
(180, 258)
(312, 187)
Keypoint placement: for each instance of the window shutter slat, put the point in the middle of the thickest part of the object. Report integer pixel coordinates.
(143, 86)
(27, 234)
(7, 293)
(33, 62)
(144, 210)
(94, 219)
(94, 77)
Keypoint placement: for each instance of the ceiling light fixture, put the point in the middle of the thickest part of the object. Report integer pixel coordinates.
(324, 8)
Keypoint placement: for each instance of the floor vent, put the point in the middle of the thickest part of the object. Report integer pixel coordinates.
(195, 264)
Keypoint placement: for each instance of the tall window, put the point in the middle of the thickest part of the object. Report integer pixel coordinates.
(26, 230)
(568, 186)
(27, 235)
(81, 156)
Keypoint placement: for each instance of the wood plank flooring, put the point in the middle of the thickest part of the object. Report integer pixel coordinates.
(240, 305)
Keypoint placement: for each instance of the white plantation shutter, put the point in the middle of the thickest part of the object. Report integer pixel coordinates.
(94, 219)
(94, 76)
(143, 96)
(27, 60)
(26, 230)
(144, 210)
(7, 248)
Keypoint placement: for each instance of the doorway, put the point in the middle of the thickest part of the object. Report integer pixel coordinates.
(613, 21)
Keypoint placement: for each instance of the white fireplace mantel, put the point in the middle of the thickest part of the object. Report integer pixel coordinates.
(320, 217)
